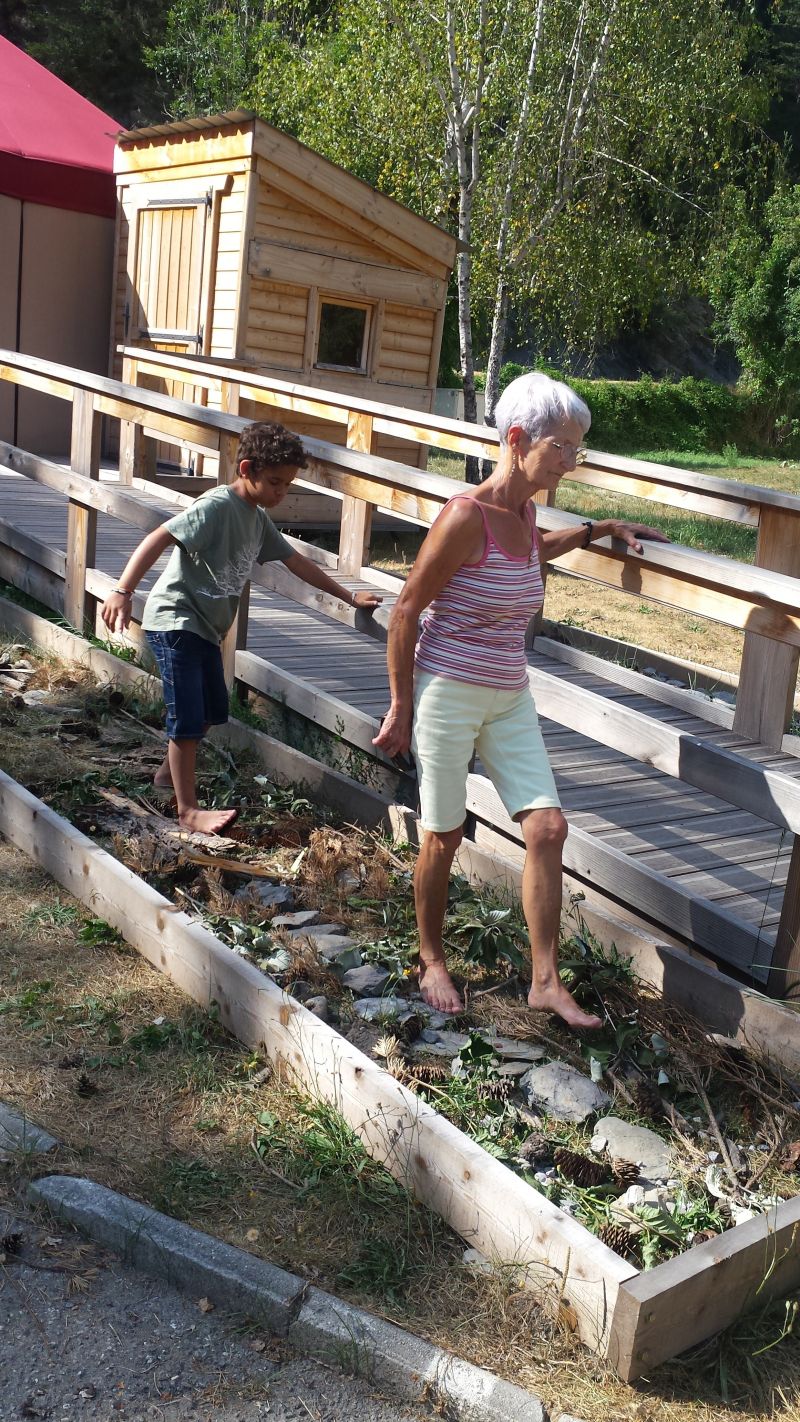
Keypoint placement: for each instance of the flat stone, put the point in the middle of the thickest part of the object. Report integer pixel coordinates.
(515, 1051)
(331, 946)
(343, 957)
(372, 1008)
(454, 1041)
(319, 1007)
(513, 1069)
(303, 918)
(558, 1090)
(319, 930)
(348, 881)
(423, 1048)
(625, 1141)
(266, 892)
(369, 979)
(19, 1136)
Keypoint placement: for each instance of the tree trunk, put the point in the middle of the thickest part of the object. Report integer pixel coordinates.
(497, 349)
(464, 278)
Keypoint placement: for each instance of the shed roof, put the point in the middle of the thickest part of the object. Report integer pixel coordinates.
(55, 147)
(329, 179)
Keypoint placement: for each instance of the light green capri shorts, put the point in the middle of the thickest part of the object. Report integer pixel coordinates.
(452, 720)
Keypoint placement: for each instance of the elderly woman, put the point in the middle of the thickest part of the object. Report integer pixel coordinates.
(463, 685)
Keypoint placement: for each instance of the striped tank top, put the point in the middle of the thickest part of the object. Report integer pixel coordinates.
(474, 630)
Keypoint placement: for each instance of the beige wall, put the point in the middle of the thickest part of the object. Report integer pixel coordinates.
(65, 310)
(10, 213)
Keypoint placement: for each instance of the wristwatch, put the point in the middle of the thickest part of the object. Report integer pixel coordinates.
(589, 526)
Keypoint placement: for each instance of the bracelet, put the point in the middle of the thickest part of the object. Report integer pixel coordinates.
(125, 592)
(589, 526)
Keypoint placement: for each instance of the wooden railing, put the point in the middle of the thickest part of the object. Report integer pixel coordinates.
(761, 601)
(768, 675)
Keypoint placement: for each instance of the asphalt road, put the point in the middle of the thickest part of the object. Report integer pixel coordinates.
(84, 1337)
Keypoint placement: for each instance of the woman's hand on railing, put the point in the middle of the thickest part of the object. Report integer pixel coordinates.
(394, 736)
(117, 610)
(632, 533)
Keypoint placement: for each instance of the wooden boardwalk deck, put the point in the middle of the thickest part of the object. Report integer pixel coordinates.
(695, 865)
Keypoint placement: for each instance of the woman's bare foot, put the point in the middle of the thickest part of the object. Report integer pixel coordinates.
(207, 821)
(556, 998)
(437, 987)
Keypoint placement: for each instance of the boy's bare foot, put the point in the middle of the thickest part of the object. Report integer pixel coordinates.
(162, 779)
(207, 821)
(556, 998)
(437, 987)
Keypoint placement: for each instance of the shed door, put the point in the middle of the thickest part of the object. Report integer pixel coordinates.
(168, 289)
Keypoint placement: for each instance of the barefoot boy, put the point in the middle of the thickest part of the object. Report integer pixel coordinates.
(215, 544)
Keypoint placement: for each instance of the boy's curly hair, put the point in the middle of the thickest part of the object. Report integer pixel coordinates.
(268, 445)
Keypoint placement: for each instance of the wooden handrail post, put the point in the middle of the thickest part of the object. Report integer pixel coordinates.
(137, 453)
(768, 674)
(356, 526)
(236, 641)
(80, 609)
(784, 975)
(228, 466)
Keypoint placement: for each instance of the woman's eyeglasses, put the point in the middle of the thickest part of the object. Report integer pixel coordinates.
(577, 453)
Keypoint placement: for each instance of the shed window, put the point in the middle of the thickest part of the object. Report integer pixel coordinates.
(343, 336)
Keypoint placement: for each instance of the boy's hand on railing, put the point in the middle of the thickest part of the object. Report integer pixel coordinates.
(117, 610)
(366, 599)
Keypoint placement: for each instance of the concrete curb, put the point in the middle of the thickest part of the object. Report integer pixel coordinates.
(314, 1322)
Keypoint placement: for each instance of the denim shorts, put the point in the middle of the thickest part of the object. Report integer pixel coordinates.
(195, 693)
(452, 720)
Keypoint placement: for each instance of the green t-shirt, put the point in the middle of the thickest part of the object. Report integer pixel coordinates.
(218, 538)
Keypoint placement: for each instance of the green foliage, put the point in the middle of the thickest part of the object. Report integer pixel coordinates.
(754, 280)
(680, 415)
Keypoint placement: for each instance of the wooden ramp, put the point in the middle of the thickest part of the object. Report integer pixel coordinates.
(675, 855)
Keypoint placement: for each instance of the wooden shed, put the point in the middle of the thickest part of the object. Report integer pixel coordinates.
(234, 240)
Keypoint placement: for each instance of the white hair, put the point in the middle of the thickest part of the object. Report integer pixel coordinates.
(539, 405)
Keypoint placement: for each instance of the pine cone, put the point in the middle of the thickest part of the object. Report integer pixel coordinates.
(411, 1029)
(579, 1168)
(703, 1234)
(430, 1071)
(536, 1147)
(617, 1237)
(648, 1100)
(625, 1172)
(495, 1090)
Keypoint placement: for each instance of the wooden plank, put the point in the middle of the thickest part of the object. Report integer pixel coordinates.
(772, 613)
(784, 976)
(771, 795)
(656, 897)
(654, 489)
(82, 519)
(768, 673)
(340, 275)
(93, 495)
(678, 1304)
(701, 708)
(354, 534)
(324, 188)
(38, 582)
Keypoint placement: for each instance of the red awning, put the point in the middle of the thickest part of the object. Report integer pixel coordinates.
(55, 147)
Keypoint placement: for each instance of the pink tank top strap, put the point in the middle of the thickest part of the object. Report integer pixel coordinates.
(490, 542)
